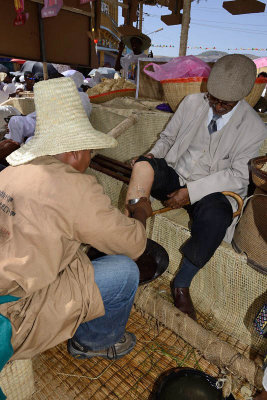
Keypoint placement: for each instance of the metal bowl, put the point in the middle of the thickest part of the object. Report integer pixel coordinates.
(152, 263)
(188, 384)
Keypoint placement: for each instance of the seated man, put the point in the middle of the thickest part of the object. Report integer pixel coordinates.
(204, 150)
(50, 291)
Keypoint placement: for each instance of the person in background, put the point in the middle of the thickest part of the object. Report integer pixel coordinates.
(78, 79)
(261, 105)
(21, 128)
(204, 150)
(128, 63)
(7, 86)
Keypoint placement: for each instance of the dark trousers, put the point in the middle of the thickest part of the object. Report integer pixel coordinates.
(211, 216)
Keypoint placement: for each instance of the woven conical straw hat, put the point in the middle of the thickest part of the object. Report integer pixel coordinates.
(61, 124)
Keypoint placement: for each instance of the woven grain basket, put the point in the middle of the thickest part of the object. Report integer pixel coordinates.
(176, 89)
(16, 380)
(24, 105)
(259, 176)
(103, 97)
(256, 91)
(251, 233)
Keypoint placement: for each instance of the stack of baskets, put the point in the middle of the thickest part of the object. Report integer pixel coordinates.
(251, 233)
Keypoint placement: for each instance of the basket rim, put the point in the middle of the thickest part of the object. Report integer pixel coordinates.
(185, 80)
(111, 92)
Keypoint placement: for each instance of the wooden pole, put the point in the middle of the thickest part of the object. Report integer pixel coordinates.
(140, 16)
(185, 27)
(42, 42)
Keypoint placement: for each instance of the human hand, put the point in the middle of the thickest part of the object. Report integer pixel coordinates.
(140, 210)
(121, 46)
(178, 199)
(148, 155)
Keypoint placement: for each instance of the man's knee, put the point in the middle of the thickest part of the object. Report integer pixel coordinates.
(143, 166)
(215, 207)
(129, 270)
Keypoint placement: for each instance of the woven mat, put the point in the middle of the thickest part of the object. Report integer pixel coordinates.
(58, 376)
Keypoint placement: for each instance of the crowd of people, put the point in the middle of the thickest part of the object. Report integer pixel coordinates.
(50, 290)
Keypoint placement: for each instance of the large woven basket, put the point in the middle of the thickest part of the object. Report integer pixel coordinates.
(259, 176)
(256, 91)
(16, 380)
(103, 97)
(176, 89)
(24, 105)
(250, 236)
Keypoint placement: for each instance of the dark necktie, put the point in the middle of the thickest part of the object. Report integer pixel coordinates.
(212, 127)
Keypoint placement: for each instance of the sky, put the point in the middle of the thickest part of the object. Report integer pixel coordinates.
(211, 26)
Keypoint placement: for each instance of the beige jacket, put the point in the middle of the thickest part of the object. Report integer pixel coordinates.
(47, 209)
(241, 139)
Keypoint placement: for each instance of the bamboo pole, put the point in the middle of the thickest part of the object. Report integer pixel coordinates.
(185, 27)
(140, 16)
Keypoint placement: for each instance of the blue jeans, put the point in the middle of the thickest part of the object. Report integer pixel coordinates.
(117, 277)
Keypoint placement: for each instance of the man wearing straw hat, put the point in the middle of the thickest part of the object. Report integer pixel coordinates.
(50, 291)
(138, 43)
(204, 150)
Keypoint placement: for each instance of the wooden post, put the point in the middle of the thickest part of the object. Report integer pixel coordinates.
(185, 27)
(140, 16)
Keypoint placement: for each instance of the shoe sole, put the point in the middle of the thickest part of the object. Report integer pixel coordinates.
(82, 355)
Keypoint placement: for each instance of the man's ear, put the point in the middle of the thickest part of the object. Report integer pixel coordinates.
(75, 155)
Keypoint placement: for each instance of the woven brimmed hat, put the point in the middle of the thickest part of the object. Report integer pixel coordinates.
(232, 77)
(146, 42)
(61, 124)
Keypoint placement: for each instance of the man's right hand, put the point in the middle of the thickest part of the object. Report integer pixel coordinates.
(148, 155)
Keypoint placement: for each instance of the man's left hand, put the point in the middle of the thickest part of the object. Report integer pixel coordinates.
(178, 199)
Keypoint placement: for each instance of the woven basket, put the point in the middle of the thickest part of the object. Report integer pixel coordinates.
(250, 236)
(16, 380)
(259, 177)
(26, 94)
(176, 89)
(103, 97)
(256, 91)
(24, 105)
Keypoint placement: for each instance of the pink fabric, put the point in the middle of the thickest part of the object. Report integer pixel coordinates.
(261, 62)
(51, 8)
(180, 67)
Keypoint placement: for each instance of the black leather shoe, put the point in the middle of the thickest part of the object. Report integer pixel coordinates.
(182, 300)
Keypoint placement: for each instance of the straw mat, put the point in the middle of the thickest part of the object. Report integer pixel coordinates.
(58, 376)
(16, 380)
(107, 96)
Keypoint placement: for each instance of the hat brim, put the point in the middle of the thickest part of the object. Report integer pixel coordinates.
(39, 147)
(145, 40)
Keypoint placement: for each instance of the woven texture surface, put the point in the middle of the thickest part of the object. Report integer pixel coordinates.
(227, 292)
(16, 380)
(58, 376)
(250, 235)
(24, 105)
(102, 98)
(139, 138)
(255, 93)
(174, 92)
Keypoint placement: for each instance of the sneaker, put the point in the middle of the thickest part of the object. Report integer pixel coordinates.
(118, 350)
